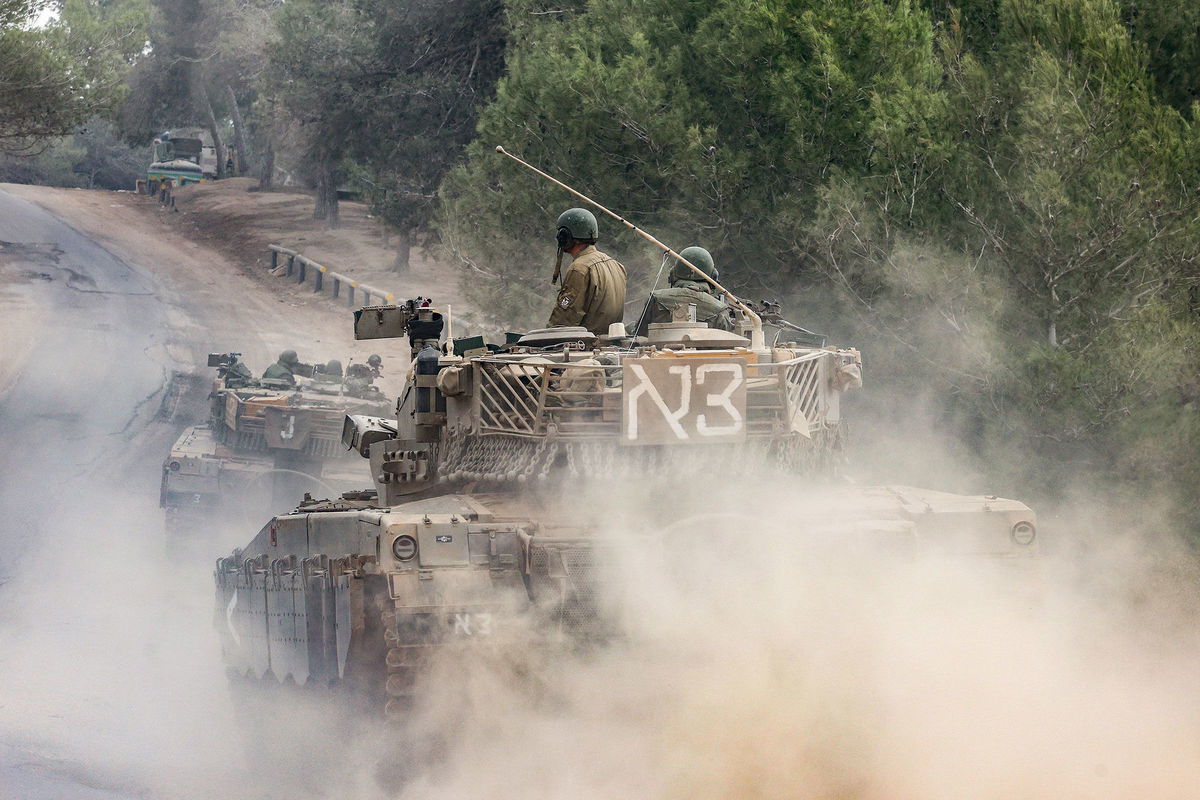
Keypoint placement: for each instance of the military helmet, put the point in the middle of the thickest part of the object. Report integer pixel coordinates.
(333, 367)
(289, 357)
(579, 224)
(698, 256)
(374, 360)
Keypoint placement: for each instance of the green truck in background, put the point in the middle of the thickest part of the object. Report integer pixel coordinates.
(182, 156)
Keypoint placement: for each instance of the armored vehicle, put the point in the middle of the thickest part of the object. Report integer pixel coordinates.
(496, 491)
(182, 156)
(264, 440)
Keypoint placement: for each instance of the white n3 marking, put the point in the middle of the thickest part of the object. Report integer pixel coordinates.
(646, 387)
(721, 400)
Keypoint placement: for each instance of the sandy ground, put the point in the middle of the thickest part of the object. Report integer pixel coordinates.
(235, 218)
(220, 304)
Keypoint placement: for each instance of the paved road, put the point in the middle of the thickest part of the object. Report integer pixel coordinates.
(112, 685)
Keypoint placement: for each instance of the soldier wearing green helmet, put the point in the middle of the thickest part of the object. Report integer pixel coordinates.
(688, 288)
(593, 288)
(284, 369)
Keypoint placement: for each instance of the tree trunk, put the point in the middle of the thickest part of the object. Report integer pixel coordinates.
(332, 216)
(218, 144)
(403, 250)
(320, 211)
(266, 174)
(327, 200)
(241, 152)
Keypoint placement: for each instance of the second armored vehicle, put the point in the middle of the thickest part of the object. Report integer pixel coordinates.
(265, 442)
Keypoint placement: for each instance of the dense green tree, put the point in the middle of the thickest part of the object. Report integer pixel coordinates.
(716, 123)
(56, 76)
(437, 64)
(317, 68)
(1169, 32)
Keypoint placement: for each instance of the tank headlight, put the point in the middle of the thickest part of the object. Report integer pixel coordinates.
(404, 548)
(1023, 533)
(174, 465)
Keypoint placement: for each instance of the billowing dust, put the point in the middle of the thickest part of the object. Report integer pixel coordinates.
(761, 659)
(755, 656)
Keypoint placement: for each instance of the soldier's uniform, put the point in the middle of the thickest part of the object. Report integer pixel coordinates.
(593, 292)
(687, 289)
(283, 369)
(279, 372)
(709, 309)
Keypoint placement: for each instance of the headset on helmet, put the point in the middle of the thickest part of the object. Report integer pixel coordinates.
(575, 226)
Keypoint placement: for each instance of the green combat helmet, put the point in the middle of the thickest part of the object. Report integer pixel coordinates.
(289, 358)
(575, 226)
(580, 225)
(702, 259)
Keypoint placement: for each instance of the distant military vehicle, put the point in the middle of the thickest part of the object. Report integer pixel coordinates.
(264, 441)
(477, 514)
(181, 156)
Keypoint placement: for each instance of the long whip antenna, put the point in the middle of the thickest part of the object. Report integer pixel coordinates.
(757, 340)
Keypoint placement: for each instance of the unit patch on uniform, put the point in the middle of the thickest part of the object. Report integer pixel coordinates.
(444, 539)
(565, 300)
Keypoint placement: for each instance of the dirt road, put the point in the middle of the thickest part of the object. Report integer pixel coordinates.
(113, 686)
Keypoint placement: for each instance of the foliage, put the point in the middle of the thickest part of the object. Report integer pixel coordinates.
(94, 157)
(393, 85)
(714, 123)
(55, 77)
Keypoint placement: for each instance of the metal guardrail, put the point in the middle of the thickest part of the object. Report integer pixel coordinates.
(304, 266)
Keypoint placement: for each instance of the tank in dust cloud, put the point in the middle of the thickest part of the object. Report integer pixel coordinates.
(476, 520)
(265, 443)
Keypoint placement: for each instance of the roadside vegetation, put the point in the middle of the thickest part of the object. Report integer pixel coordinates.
(995, 199)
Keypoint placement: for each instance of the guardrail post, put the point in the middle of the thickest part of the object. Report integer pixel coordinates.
(350, 295)
(291, 264)
(337, 288)
(303, 269)
(319, 280)
(274, 259)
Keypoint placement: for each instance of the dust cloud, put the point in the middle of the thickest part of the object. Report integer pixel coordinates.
(761, 658)
(758, 653)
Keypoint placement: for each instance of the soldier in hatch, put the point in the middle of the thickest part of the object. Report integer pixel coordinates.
(688, 288)
(330, 373)
(359, 377)
(284, 369)
(593, 288)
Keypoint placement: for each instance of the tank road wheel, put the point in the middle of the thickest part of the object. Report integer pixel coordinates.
(407, 639)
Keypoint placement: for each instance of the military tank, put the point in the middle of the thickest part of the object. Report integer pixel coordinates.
(266, 442)
(477, 521)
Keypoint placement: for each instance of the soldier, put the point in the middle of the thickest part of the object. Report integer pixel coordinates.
(283, 369)
(687, 288)
(359, 377)
(593, 290)
(330, 373)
